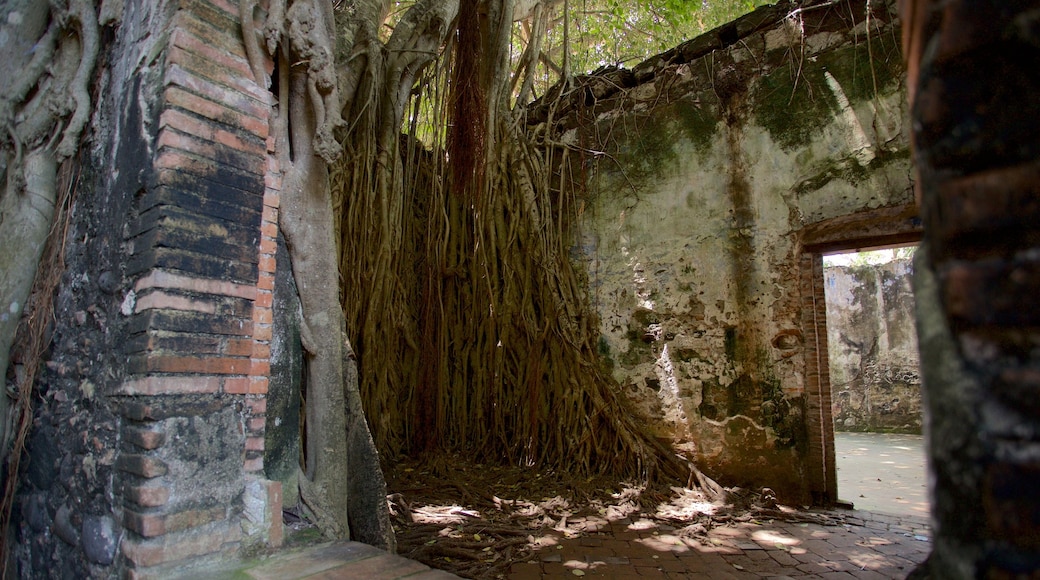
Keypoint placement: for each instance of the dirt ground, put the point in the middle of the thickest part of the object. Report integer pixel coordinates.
(477, 521)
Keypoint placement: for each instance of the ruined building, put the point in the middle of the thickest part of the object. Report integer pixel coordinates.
(729, 166)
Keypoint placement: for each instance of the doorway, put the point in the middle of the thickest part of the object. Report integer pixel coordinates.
(874, 371)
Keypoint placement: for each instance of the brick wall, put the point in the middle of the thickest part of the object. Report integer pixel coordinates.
(202, 263)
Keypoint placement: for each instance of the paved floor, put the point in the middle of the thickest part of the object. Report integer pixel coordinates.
(853, 544)
(861, 545)
(332, 561)
(882, 472)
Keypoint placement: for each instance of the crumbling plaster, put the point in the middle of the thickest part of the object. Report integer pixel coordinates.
(691, 233)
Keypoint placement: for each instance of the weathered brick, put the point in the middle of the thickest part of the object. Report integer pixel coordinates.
(229, 204)
(173, 302)
(261, 350)
(148, 496)
(216, 152)
(142, 465)
(176, 547)
(254, 464)
(263, 332)
(189, 519)
(166, 279)
(264, 299)
(992, 292)
(258, 425)
(191, 264)
(188, 364)
(200, 127)
(259, 368)
(255, 443)
(262, 316)
(184, 321)
(266, 281)
(168, 385)
(234, 231)
(197, 74)
(269, 229)
(239, 347)
(219, 112)
(270, 214)
(267, 264)
(258, 385)
(257, 405)
(268, 245)
(144, 438)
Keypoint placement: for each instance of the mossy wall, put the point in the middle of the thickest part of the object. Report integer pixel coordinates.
(691, 226)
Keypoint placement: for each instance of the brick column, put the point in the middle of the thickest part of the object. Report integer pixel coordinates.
(823, 484)
(976, 118)
(202, 261)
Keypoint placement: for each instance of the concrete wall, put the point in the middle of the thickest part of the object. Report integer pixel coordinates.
(874, 364)
(711, 168)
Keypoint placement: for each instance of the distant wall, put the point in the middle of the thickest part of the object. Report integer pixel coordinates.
(874, 364)
(714, 159)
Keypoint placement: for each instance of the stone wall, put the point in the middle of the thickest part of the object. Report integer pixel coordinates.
(710, 167)
(874, 366)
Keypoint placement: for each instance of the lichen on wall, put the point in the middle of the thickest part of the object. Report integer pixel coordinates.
(691, 228)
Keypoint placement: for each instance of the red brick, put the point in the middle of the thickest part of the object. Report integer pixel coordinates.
(257, 406)
(177, 97)
(263, 315)
(266, 281)
(144, 438)
(265, 298)
(270, 214)
(185, 38)
(206, 365)
(254, 443)
(273, 195)
(169, 138)
(194, 518)
(147, 467)
(163, 300)
(268, 245)
(184, 72)
(258, 385)
(254, 465)
(171, 548)
(168, 385)
(240, 347)
(260, 368)
(269, 229)
(261, 350)
(148, 496)
(258, 425)
(236, 385)
(192, 125)
(267, 265)
(164, 279)
(263, 332)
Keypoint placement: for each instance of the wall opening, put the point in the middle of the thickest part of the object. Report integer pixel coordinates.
(875, 387)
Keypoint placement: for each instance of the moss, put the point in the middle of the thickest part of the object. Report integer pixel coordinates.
(857, 73)
(698, 123)
(793, 105)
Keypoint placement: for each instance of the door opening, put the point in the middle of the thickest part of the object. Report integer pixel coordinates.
(875, 387)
